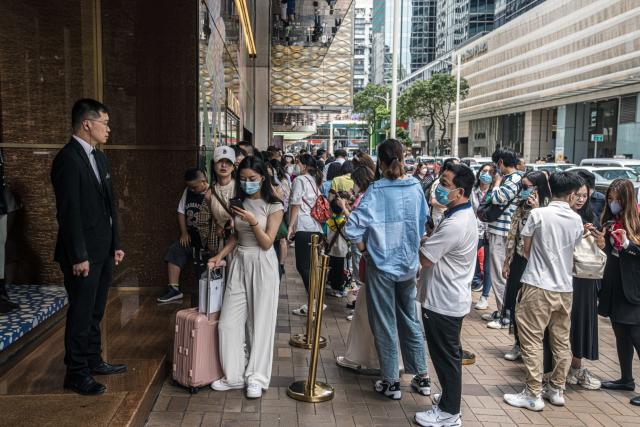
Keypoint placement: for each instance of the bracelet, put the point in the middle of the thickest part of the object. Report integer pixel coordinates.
(253, 225)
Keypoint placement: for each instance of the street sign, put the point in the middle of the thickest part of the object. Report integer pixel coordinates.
(597, 137)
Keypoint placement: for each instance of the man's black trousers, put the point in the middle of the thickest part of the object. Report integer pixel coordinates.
(443, 341)
(87, 302)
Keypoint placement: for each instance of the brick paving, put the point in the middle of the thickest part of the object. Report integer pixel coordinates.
(356, 404)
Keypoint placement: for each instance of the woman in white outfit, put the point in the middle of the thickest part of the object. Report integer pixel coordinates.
(248, 316)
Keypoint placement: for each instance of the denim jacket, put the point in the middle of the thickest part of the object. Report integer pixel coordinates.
(390, 220)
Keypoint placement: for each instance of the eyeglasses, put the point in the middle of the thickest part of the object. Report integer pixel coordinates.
(105, 123)
(581, 196)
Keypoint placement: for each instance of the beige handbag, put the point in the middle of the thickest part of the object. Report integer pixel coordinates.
(588, 259)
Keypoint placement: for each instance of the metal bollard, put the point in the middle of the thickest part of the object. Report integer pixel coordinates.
(301, 340)
(310, 390)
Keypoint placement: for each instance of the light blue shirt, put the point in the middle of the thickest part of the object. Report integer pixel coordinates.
(325, 188)
(390, 220)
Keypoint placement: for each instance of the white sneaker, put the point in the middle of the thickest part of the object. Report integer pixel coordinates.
(555, 396)
(223, 385)
(584, 378)
(514, 353)
(303, 310)
(499, 324)
(526, 400)
(434, 417)
(482, 304)
(254, 391)
(346, 363)
(490, 316)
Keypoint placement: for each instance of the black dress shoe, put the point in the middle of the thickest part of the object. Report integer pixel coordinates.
(619, 385)
(635, 401)
(84, 385)
(108, 369)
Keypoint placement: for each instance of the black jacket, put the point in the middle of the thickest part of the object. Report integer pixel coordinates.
(86, 213)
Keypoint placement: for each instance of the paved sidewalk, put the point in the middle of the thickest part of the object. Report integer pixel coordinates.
(356, 404)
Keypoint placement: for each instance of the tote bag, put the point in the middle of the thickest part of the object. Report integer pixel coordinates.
(588, 259)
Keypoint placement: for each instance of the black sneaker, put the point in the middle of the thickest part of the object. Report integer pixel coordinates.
(172, 295)
(478, 287)
(351, 305)
(421, 385)
(386, 389)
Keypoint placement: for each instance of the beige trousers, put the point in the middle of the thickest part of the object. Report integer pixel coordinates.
(248, 317)
(497, 254)
(536, 310)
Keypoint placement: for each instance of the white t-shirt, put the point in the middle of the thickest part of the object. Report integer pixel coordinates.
(445, 287)
(556, 231)
(304, 187)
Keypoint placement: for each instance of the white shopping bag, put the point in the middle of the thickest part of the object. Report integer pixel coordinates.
(211, 291)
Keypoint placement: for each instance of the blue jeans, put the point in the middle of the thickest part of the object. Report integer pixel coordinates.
(392, 316)
(477, 278)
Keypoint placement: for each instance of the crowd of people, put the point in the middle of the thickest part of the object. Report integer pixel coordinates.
(409, 247)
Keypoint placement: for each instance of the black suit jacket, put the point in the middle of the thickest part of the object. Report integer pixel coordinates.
(629, 271)
(86, 213)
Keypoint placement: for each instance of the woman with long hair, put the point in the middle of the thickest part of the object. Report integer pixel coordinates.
(535, 193)
(584, 309)
(482, 281)
(362, 159)
(387, 226)
(620, 294)
(302, 226)
(248, 317)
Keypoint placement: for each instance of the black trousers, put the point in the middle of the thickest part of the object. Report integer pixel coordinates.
(627, 338)
(303, 255)
(443, 340)
(337, 279)
(87, 302)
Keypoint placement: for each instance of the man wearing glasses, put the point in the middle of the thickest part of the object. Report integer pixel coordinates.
(87, 246)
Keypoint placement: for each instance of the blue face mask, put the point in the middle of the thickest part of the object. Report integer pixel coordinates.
(615, 207)
(442, 195)
(525, 193)
(486, 178)
(250, 187)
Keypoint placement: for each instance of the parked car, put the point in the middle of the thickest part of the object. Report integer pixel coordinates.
(623, 163)
(548, 167)
(606, 174)
(476, 160)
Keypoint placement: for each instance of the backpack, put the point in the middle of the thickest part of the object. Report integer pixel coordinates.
(488, 212)
(320, 211)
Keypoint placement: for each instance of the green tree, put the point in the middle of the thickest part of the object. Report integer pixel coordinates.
(431, 100)
(371, 103)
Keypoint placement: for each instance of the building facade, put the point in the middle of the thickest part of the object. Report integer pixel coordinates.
(560, 80)
(507, 10)
(362, 41)
(417, 38)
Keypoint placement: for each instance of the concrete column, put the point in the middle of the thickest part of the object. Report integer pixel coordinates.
(262, 19)
(262, 131)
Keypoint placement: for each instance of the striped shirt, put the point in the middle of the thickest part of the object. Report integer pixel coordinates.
(507, 193)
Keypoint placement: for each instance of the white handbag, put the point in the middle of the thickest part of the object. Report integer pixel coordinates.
(588, 259)
(211, 291)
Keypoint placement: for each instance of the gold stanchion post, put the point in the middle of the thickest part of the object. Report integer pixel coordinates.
(301, 340)
(311, 390)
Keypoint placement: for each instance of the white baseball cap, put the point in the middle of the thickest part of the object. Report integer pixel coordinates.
(224, 152)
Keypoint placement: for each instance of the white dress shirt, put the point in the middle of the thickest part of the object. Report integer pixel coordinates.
(88, 148)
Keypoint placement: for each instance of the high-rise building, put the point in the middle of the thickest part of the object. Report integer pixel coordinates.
(506, 10)
(417, 37)
(362, 41)
(459, 20)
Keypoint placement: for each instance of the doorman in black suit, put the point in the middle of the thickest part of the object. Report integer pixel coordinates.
(87, 245)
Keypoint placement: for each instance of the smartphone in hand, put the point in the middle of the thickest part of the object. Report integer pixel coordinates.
(236, 202)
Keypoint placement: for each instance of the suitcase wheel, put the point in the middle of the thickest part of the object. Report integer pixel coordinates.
(194, 390)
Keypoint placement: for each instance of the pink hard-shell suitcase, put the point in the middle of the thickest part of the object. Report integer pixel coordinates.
(196, 361)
